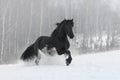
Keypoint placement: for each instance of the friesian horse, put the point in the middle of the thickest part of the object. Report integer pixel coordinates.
(57, 40)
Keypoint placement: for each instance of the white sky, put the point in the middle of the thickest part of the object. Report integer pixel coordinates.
(114, 4)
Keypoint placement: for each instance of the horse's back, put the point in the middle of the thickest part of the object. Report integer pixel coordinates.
(42, 41)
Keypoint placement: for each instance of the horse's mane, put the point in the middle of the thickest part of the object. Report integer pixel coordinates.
(58, 28)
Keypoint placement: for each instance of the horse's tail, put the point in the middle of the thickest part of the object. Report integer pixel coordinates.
(28, 54)
(32, 51)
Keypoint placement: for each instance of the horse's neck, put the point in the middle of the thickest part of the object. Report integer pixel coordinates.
(59, 33)
(62, 35)
(55, 32)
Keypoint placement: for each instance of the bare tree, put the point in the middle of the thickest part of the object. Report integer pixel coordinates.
(41, 16)
(5, 8)
(30, 25)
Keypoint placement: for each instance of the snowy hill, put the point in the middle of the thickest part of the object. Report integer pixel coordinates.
(100, 66)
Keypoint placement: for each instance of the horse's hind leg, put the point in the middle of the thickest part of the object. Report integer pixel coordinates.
(37, 59)
(38, 56)
(36, 50)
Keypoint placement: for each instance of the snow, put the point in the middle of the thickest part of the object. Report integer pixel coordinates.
(99, 66)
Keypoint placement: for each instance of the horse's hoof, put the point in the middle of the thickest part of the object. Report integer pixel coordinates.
(36, 62)
(67, 64)
(68, 61)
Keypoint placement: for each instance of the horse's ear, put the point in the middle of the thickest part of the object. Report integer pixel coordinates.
(57, 24)
(72, 19)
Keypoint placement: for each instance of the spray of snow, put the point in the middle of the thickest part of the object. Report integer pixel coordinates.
(46, 59)
(101, 66)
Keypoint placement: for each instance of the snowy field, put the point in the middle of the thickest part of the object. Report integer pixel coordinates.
(100, 66)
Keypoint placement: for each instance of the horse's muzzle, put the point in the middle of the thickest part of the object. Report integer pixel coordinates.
(72, 36)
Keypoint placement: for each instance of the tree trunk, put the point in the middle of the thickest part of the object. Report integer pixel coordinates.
(41, 17)
(3, 31)
(31, 15)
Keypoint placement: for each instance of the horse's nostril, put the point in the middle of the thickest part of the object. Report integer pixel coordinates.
(72, 36)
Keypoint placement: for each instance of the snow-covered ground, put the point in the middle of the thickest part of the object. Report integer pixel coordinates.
(100, 66)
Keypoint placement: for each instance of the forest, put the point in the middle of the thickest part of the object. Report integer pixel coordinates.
(96, 24)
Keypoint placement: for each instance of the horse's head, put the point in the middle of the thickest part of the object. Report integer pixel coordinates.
(64, 27)
(68, 28)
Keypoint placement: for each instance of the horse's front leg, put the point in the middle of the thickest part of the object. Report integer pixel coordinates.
(66, 53)
(69, 59)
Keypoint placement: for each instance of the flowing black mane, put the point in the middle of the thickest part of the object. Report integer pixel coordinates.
(57, 31)
(63, 29)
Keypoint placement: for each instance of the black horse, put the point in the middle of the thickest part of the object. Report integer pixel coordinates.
(57, 40)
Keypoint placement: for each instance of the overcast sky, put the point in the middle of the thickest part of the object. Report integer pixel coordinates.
(114, 4)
